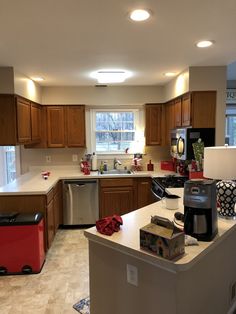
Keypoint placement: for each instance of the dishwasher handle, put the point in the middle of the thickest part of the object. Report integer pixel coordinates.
(79, 182)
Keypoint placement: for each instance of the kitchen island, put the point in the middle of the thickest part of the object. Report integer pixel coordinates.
(200, 281)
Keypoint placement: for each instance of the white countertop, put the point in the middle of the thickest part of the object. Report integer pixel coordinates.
(127, 239)
(33, 182)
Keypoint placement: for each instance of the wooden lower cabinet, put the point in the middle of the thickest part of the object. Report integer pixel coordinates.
(144, 194)
(123, 195)
(36, 203)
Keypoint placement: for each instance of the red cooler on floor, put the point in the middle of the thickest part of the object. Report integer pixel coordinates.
(21, 243)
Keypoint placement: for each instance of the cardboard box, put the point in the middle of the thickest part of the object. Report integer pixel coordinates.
(162, 241)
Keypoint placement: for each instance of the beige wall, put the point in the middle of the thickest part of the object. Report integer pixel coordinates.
(6, 80)
(27, 88)
(97, 96)
(177, 86)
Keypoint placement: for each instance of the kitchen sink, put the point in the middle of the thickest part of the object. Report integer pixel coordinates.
(115, 172)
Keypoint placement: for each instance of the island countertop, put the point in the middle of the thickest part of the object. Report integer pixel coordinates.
(127, 239)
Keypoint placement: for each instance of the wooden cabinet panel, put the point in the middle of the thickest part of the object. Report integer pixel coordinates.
(186, 110)
(35, 122)
(23, 120)
(144, 195)
(50, 223)
(117, 196)
(153, 124)
(8, 122)
(203, 109)
(56, 126)
(75, 126)
(169, 121)
(178, 112)
(57, 203)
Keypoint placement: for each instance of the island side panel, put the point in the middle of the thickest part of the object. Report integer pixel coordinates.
(111, 293)
(206, 286)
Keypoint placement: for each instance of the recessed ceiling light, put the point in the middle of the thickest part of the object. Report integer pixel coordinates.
(110, 76)
(169, 74)
(139, 15)
(38, 79)
(204, 43)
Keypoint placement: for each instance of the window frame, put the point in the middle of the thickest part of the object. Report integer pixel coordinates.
(137, 127)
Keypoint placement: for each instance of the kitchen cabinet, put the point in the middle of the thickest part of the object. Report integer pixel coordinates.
(144, 194)
(168, 120)
(55, 126)
(153, 130)
(19, 120)
(49, 205)
(71, 120)
(196, 109)
(116, 196)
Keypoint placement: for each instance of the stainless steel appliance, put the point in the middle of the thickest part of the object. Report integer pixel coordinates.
(80, 202)
(200, 210)
(159, 184)
(183, 138)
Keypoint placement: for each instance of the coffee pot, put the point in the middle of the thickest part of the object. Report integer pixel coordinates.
(200, 210)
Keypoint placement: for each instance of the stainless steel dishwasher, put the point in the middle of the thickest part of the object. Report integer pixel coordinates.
(80, 202)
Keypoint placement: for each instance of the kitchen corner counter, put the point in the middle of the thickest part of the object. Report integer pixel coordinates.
(33, 183)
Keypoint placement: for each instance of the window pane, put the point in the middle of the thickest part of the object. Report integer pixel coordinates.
(115, 131)
(231, 130)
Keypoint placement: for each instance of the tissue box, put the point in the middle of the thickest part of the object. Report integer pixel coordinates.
(162, 241)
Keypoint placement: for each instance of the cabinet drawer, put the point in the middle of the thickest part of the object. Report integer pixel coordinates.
(116, 182)
(49, 196)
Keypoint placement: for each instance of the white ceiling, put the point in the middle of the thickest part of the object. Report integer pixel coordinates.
(65, 40)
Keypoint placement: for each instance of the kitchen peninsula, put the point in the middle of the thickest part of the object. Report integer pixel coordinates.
(201, 281)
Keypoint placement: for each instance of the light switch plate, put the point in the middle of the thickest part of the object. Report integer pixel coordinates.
(74, 157)
(48, 158)
(132, 275)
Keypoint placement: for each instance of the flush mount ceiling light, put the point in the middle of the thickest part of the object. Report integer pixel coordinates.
(170, 74)
(139, 15)
(38, 79)
(204, 43)
(110, 76)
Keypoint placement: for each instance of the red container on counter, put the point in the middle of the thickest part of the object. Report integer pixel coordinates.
(167, 165)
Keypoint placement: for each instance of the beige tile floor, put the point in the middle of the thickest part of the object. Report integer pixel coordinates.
(63, 281)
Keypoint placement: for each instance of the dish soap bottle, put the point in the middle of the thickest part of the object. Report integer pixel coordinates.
(150, 166)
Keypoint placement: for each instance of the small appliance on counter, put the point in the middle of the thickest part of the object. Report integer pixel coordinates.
(200, 209)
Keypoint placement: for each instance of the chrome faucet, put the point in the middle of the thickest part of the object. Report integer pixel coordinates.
(115, 163)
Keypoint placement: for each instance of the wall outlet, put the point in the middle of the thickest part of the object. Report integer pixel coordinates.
(74, 157)
(132, 275)
(48, 159)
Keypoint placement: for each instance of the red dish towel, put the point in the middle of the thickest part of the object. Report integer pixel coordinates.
(109, 225)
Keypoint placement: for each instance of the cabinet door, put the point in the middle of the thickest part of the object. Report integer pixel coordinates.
(50, 223)
(186, 110)
(56, 126)
(203, 109)
(116, 200)
(153, 124)
(57, 204)
(169, 121)
(35, 122)
(144, 195)
(75, 126)
(23, 120)
(178, 112)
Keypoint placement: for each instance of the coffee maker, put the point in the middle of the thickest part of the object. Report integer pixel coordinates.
(200, 210)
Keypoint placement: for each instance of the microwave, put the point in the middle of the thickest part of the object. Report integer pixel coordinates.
(183, 138)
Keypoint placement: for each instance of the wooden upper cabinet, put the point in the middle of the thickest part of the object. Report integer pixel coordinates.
(186, 110)
(23, 120)
(75, 126)
(35, 122)
(203, 109)
(153, 124)
(178, 112)
(55, 126)
(169, 121)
